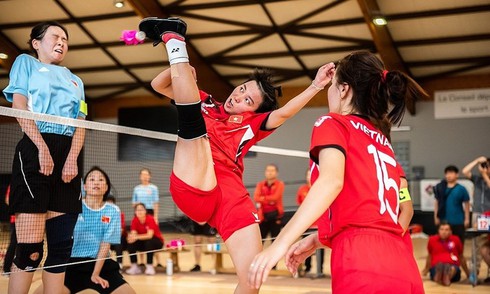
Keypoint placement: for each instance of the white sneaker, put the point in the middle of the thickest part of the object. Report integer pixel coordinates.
(150, 270)
(133, 270)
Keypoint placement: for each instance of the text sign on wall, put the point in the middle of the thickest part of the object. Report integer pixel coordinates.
(462, 103)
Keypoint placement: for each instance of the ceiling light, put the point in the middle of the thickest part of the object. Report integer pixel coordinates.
(379, 21)
(4, 56)
(119, 3)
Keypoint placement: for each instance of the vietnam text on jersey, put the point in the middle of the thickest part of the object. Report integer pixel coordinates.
(369, 197)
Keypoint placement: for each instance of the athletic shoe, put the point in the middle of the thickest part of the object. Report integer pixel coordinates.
(154, 27)
(150, 270)
(133, 270)
(196, 268)
(439, 273)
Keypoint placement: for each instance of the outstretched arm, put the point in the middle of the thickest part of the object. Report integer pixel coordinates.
(279, 116)
(101, 255)
(319, 198)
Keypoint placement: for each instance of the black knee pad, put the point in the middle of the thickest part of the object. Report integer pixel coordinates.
(59, 235)
(191, 122)
(28, 256)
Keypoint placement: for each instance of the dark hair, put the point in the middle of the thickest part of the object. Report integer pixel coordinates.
(111, 198)
(39, 30)
(139, 204)
(107, 180)
(374, 89)
(444, 223)
(263, 78)
(273, 165)
(451, 168)
(145, 169)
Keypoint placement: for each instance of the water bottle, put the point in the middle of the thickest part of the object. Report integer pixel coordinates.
(170, 267)
(218, 243)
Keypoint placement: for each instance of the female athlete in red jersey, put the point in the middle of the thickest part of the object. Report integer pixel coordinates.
(206, 182)
(356, 185)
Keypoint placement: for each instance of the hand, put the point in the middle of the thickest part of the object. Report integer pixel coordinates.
(262, 264)
(299, 251)
(70, 170)
(46, 164)
(481, 159)
(131, 238)
(466, 223)
(437, 221)
(98, 280)
(425, 271)
(324, 75)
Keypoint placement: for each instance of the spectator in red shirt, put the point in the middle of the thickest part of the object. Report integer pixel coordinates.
(303, 190)
(145, 235)
(268, 198)
(445, 257)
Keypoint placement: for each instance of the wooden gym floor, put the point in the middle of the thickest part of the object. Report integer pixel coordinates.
(205, 282)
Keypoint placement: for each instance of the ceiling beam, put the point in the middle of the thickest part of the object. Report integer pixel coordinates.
(9, 48)
(219, 59)
(443, 40)
(104, 49)
(107, 16)
(454, 71)
(207, 75)
(384, 42)
(449, 61)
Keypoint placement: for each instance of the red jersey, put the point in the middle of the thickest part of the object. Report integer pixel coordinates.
(149, 224)
(301, 194)
(231, 136)
(369, 198)
(270, 197)
(445, 251)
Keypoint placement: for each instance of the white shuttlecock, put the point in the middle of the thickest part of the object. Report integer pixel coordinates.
(140, 36)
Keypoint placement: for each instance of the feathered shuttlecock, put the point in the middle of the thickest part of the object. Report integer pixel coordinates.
(132, 37)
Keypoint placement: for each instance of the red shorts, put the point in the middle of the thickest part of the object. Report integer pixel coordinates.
(228, 207)
(366, 260)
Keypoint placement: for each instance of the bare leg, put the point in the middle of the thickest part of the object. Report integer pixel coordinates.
(193, 161)
(30, 229)
(242, 253)
(124, 289)
(197, 249)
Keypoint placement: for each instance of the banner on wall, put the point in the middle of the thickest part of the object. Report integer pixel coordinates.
(427, 192)
(462, 103)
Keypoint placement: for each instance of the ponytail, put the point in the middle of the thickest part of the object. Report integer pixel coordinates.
(375, 89)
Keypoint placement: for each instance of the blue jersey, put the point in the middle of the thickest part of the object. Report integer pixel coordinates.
(146, 194)
(457, 195)
(94, 227)
(50, 89)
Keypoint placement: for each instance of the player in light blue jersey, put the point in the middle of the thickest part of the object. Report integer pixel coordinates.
(98, 226)
(45, 190)
(147, 194)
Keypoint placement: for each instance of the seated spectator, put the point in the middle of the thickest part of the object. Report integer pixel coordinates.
(145, 235)
(445, 257)
(97, 227)
(119, 248)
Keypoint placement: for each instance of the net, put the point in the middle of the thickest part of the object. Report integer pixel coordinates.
(122, 152)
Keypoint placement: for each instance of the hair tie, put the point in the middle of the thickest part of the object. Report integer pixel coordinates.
(383, 76)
